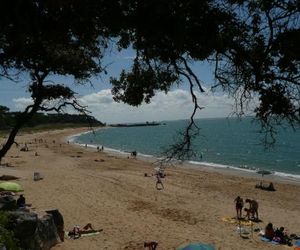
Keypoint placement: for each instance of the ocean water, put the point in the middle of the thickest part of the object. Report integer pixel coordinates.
(222, 142)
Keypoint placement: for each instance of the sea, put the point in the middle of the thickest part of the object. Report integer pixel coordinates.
(222, 143)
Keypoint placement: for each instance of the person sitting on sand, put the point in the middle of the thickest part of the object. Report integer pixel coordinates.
(281, 237)
(239, 203)
(271, 187)
(268, 188)
(134, 154)
(21, 202)
(152, 245)
(253, 207)
(269, 231)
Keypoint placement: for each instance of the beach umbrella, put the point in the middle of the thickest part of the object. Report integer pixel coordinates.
(264, 172)
(196, 246)
(11, 186)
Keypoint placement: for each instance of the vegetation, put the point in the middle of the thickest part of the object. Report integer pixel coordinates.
(253, 45)
(8, 120)
(6, 235)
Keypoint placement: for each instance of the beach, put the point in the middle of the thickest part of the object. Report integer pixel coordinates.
(111, 192)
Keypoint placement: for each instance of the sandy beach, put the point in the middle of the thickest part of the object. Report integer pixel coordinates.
(112, 193)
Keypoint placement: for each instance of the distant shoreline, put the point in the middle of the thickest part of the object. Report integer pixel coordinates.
(221, 168)
(144, 124)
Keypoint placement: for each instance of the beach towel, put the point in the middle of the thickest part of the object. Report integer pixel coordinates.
(196, 246)
(238, 222)
(11, 186)
(83, 234)
(269, 241)
(90, 234)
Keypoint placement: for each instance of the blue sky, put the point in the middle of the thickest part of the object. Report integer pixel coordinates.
(176, 104)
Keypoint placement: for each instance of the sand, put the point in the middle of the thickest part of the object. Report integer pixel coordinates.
(112, 193)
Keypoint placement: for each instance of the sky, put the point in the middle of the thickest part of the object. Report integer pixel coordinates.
(177, 104)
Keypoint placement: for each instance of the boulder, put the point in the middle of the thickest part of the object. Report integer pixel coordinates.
(58, 221)
(46, 234)
(34, 233)
(7, 202)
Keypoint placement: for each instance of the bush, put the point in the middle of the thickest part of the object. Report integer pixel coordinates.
(6, 235)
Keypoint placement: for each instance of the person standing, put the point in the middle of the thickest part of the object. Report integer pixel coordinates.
(239, 204)
(159, 182)
(253, 206)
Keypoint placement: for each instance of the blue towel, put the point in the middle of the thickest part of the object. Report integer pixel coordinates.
(265, 239)
(268, 240)
(274, 242)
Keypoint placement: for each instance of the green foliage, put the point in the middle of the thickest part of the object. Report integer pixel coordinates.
(5, 120)
(47, 119)
(253, 44)
(50, 92)
(140, 84)
(3, 109)
(4, 219)
(6, 235)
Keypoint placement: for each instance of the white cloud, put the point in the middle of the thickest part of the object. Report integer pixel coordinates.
(177, 104)
(22, 102)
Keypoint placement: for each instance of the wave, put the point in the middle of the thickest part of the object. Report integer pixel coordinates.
(245, 168)
(72, 138)
(107, 149)
(289, 176)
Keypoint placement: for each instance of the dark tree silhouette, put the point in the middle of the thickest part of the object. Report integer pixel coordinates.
(263, 62)
(42, 38)
(252, 43)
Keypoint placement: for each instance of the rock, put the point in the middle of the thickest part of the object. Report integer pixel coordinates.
(23, 223)
(8, 177)
(32, 232)
(7, 202)
(46, 233)
(59, 222)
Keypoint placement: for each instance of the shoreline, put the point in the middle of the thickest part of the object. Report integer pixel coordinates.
(209, 166)
(112, 193)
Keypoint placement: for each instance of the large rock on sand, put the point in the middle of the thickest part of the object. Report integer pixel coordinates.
(58, 221)
(32, 232)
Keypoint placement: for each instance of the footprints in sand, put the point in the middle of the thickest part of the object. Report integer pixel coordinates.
(173, 214)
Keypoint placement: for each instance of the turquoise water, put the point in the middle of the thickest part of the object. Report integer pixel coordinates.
(222, 142)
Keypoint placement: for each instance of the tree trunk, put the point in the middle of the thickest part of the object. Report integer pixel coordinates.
(21, 121)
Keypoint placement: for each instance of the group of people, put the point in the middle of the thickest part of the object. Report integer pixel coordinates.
(251, 211)
(277, 235)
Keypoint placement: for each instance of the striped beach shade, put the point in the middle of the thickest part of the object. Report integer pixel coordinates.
(11, 186)
(196, 246)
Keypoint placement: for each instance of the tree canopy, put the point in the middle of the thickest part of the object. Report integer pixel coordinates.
(251, 43)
